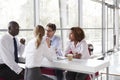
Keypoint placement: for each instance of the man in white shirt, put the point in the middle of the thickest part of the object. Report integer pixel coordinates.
(56, 44)
(10, 47)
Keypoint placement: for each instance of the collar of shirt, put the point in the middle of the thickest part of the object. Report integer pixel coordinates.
(52, 39)
(78, 44)
(11, 35)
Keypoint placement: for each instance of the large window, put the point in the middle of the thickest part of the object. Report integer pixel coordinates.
(20, 11)
(49, 12)
(92, 17)
(72, 12)
(110, 33)
(29, 13)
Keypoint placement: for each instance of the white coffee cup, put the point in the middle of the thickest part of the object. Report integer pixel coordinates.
(70, 57)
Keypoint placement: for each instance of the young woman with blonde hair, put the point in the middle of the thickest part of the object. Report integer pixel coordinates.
(35, 51)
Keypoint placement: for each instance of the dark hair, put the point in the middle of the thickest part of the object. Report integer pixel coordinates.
(52, 26)
(12, 24)
(78, 33)
(13, 28)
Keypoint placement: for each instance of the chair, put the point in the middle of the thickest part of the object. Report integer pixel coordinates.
(50, 72)
(90, 48)
(90, 76)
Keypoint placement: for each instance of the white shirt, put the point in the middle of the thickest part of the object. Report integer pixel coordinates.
(81, 48)
(7, 52)
(56, 44)
(34, 56)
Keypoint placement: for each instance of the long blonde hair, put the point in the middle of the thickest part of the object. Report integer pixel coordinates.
(39, 33)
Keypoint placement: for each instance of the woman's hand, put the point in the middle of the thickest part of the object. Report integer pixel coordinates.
(76, 55)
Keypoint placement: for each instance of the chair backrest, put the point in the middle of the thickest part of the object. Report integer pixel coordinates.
(48, 71)
(90, 48)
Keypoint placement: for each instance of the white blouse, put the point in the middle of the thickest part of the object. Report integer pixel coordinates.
(34, 56)
(81, 48)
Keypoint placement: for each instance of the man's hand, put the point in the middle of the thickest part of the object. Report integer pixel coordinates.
(22, 41)
(48, 42)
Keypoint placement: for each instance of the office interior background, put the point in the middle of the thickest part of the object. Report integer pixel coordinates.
(98, 18)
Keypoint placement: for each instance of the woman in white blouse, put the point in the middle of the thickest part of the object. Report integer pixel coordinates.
(79, 48)
(35, 51)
